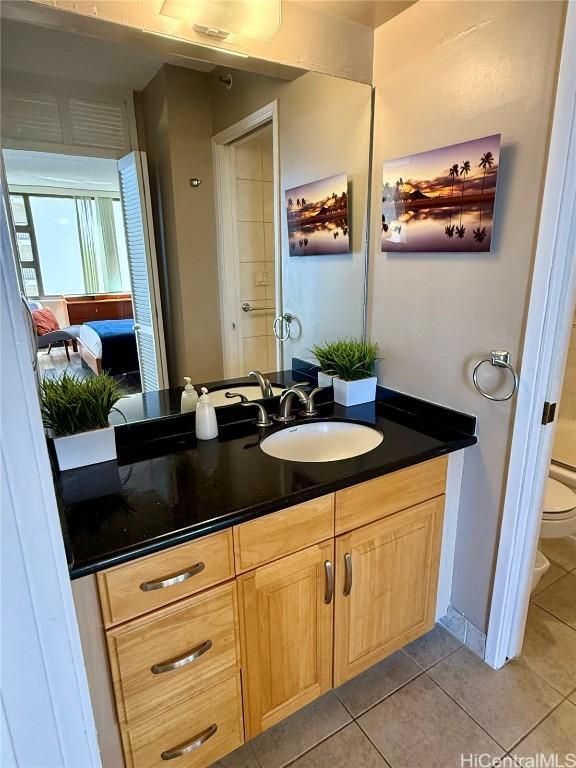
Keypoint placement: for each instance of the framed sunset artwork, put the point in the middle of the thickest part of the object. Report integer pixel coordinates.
(317, 217)
(441, 200)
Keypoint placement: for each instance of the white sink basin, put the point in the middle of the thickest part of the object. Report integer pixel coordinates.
(252, 392)
(322, 441)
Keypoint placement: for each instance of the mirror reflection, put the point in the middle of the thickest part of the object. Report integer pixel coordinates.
(182, 219)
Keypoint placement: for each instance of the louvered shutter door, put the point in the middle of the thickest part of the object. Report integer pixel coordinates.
(143, 270)
(96, 124)
(31, 116)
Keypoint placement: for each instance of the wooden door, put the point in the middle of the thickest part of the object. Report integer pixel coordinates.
(386, 582)
(286, 618)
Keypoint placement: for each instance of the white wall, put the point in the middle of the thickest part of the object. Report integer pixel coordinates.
(445, 72)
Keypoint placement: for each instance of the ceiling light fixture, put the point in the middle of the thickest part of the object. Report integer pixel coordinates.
(254, 19)
(216, 48)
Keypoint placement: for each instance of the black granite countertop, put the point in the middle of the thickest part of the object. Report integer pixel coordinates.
(173, 488)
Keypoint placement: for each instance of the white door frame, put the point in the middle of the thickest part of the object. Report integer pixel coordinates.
(552, 298)
(46, 714)
(226, 230)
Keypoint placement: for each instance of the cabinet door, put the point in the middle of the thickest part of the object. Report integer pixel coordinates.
(387, 576)
(286, 618)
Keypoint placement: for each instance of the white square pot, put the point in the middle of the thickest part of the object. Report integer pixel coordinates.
(324, 380)
(85, 448)
(354, 392)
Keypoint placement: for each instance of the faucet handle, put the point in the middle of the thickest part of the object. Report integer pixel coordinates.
(262, 419)
(230, 395)
(309, 408)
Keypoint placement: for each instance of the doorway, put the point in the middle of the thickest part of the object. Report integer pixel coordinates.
(86, 265)
(246, 174)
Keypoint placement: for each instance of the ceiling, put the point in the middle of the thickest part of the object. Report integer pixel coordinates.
(27, 48)
(43, 169)
(369, 13)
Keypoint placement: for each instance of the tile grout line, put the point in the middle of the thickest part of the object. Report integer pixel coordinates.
(539, 723)
(553, 614)
(494, 739)
(307, 751)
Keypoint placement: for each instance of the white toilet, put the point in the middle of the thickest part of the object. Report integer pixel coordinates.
(558, 520)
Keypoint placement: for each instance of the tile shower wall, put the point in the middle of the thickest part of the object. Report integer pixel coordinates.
(565, 438)
(255, 233)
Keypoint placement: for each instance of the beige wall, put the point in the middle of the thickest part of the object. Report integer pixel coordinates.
(324, 129)
(445, 72)
(306, 38)
(178, 131)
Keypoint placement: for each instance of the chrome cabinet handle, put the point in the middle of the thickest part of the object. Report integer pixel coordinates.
(329, 593)
(175, 578)
(182, 661)
(348, 574)
(189, 746)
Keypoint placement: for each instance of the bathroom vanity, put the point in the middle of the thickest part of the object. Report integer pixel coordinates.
(220, 589)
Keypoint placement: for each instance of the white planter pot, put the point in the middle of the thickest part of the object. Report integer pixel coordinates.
(85, 448)
(324, 380)
(354, 392)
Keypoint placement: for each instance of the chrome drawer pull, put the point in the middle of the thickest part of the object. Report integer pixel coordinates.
(329, 593)
(188, 746)
(182, 661)
(176, 578)
(348, 574)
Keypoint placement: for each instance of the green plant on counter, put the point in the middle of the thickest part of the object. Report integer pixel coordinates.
(349, 359)
(71, 405)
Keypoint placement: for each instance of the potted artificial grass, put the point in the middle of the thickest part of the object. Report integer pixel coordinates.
(75, 413)
(351, 364)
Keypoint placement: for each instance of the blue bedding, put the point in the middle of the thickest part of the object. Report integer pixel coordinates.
(119, 353)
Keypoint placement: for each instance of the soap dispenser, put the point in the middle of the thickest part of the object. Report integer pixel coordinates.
(206, 424)
(189, 397)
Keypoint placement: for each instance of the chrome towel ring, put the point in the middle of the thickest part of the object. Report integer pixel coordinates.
(282, 326)
(499, 359)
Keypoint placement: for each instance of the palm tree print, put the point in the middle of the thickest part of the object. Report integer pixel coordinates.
(460, 232)
(479, 234)
(486, 161)
(464, 171)
(449, 230)
(453, 173)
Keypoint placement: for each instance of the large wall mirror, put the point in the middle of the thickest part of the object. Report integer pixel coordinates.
(179, 216)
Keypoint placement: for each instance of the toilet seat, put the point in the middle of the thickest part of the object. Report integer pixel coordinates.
(559, 500)
(558, 511)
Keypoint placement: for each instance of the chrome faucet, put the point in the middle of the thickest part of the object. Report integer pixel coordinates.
(285, 411)
(263, 382)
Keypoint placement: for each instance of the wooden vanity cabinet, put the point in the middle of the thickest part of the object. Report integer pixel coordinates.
(284, 607)
(387, 577)
(286, 620)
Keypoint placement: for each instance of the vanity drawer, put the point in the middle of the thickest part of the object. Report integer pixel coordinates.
(212, 720)
(281, 533)
(151, 582)
(175, 652)
(385, 495)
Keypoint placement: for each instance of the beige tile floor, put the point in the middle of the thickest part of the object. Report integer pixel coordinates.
(435, 701)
